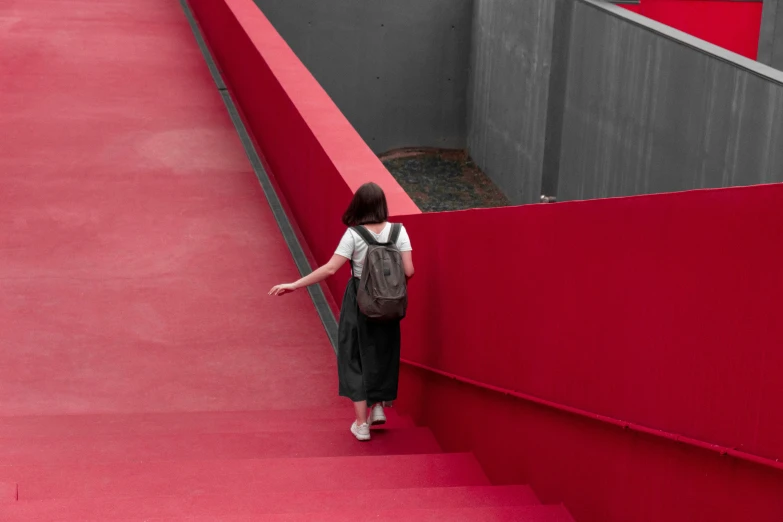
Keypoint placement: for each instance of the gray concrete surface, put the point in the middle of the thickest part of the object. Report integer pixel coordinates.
(508, 94)
(397, 70)
(570, 98)
(771, 38)
(649, 109)
(558, 82)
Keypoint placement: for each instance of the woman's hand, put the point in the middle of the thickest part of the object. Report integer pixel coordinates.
(282, 289)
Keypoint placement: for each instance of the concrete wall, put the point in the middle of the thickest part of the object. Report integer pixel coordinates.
(509, 90)
(649, 109)
(771, 38)
(517, 83)
(572, 98)
(397, 70)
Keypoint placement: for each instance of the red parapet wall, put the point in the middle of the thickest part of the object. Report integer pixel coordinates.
(313, 153)
(675, 297)
(656, 310)
(732, 24)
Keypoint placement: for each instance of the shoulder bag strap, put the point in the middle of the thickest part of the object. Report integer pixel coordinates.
(365, 235)
(395, 234)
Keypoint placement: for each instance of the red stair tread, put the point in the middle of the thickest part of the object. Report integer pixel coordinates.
(215, 477)
(258, 501)
(321, 419)
(301, 444)
(489, 514)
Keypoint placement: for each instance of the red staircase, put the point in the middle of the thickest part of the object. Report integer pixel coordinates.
(263, 465)
(137, 248)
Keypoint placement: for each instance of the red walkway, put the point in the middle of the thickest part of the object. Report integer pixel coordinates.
(145, 374)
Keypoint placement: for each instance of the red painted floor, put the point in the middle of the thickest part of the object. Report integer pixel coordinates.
(137, 247)
(145, 373)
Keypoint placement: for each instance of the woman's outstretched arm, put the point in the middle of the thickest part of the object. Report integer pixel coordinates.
(324, 272)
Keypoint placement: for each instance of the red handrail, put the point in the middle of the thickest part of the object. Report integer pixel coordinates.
(722, 450)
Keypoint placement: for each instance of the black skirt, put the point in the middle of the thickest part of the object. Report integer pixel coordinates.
(368, 353)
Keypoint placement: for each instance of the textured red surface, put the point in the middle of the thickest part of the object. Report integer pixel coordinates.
(145, 372)
(659, 310)
(316, 157)
(496, 514)
(733, 25)
(490, 514)
(168, 423)
(161, 478)
(233, 503)
(314, 440)
(8, 492)
(136, 245)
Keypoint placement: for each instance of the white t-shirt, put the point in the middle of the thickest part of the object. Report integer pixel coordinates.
(353, 247)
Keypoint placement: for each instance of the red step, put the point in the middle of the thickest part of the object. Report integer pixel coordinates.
(95, 425)
(490, 514)
(260, 502)
(300, 443)
(216, 477)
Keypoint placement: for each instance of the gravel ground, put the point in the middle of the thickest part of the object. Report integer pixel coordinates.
(443, 180)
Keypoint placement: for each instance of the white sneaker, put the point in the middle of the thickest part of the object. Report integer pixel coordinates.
(377, 416)
(361, 432)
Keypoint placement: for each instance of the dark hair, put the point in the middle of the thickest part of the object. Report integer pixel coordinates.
(367, 207)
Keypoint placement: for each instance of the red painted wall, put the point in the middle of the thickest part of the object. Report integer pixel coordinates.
(731, 24)
(660, 310)
(314, 155)
(616, 298)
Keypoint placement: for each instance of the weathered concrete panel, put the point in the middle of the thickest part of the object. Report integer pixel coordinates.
(558, 82)
(397, 70)
(771, 38)
(649, 109)
(508, 93)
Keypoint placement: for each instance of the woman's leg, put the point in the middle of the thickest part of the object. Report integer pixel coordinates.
(361, 412)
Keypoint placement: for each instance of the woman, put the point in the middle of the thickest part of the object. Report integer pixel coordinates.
(368, 352)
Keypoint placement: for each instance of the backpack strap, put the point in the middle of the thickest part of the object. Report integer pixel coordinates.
(365, 235)
(395, 234)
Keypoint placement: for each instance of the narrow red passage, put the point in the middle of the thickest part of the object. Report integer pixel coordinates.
(145, 373)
